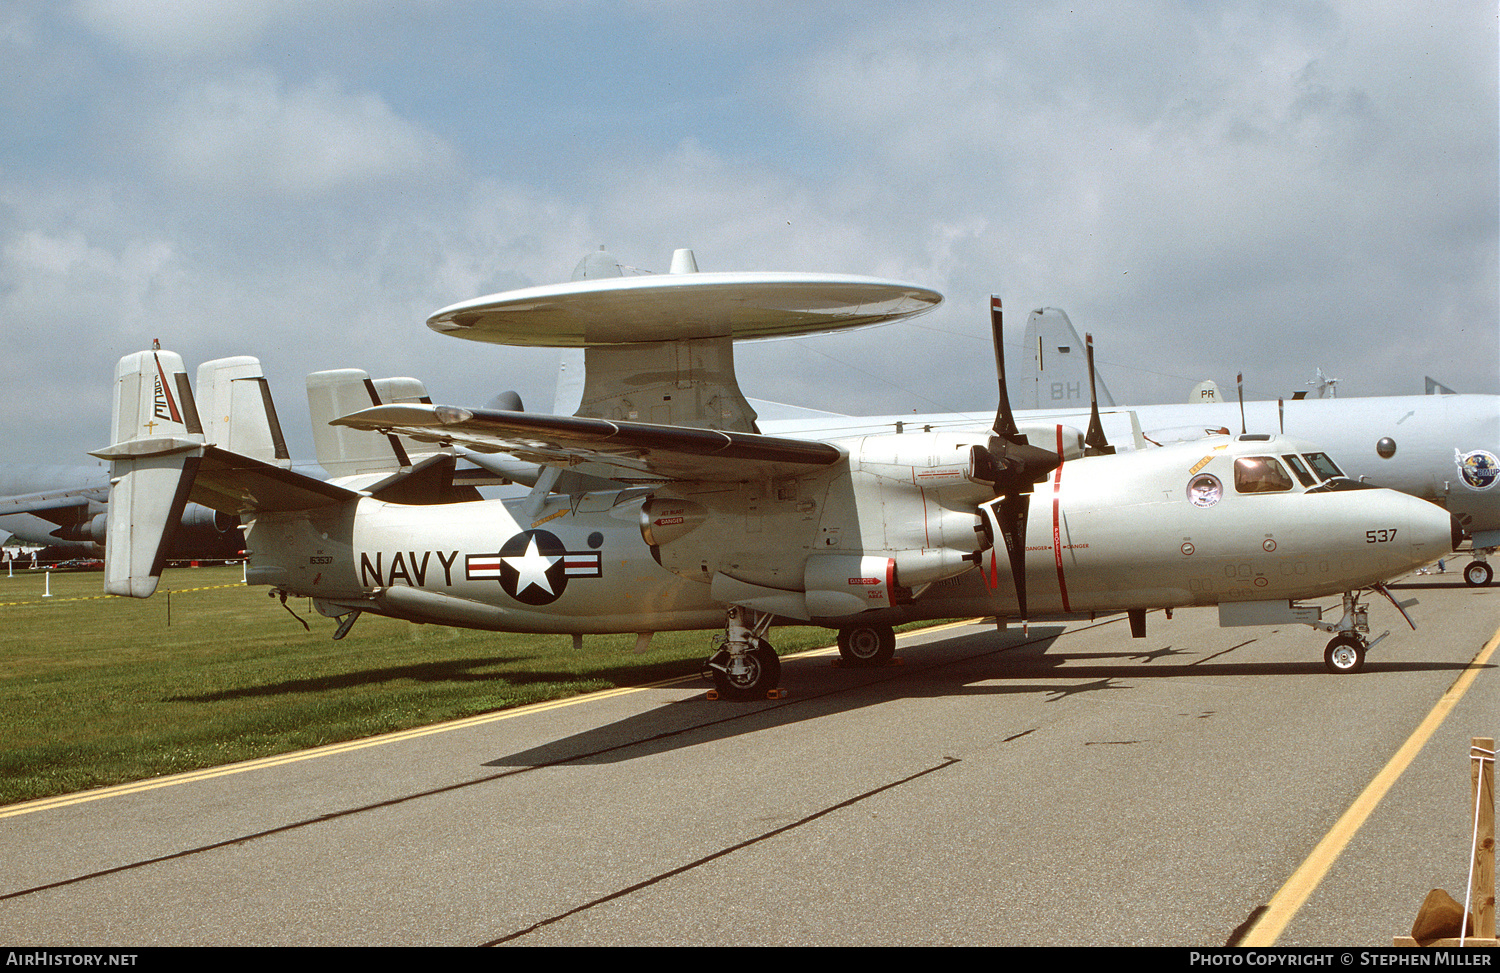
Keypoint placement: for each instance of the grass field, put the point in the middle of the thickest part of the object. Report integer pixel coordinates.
(96, 690)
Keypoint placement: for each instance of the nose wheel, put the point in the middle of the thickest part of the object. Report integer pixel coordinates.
(1345, 653)
(1477, 574)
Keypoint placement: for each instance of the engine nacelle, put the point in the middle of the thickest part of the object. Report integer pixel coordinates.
(1066, 441)
(665, 519)
(847, 584)
(900, 514)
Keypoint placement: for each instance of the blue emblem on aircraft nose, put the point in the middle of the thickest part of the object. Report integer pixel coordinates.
(533, 567)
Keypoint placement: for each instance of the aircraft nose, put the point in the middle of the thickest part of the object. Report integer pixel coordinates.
(1425, 532)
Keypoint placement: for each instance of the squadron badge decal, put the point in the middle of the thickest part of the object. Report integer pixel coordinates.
(1480, 469)
(533, 567)
(1205, 490)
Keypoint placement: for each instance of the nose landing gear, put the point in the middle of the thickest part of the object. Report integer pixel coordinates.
(1345, 652)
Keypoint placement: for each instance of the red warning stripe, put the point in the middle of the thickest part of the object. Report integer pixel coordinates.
(1062, 582)
(166, 390)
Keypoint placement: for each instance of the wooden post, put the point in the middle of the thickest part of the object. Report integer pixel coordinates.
(1481, 895)
(1482, 889)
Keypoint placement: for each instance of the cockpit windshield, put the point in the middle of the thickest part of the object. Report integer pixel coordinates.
(1260, 474)
(1331, 478)
(1295, 462)
(1324, 467)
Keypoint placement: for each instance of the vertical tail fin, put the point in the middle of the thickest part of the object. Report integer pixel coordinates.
(238, 413)
(153, 398)
(158, 440)
(1058, 374)
(343, 451)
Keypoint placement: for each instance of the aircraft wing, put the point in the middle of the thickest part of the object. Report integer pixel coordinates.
(643, 452)
(58, 506)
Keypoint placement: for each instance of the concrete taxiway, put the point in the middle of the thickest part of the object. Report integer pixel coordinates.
(1068, 785)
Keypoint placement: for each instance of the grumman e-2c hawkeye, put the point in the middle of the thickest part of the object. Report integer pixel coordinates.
(710, 525)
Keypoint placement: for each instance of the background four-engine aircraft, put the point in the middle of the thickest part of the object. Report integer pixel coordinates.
(61, 510)
(1441, 448)
(706, 522)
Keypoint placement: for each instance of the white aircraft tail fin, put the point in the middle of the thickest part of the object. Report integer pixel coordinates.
(240, 415)
(346, 452)
(1205, 391)
(153, 398)
(1058, 367)
(569, 396)
(158, 440)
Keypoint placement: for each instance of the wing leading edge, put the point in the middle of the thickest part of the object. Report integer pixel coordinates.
(646, 451)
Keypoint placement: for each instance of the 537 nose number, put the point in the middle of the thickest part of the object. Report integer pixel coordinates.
(1380, 536)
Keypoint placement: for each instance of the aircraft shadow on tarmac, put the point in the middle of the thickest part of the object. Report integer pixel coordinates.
(497, 668)
(965, 665)
(447, 670)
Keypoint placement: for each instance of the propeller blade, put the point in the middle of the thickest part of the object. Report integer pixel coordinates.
(1013, 513)
(1006, 516)
(1005, 420)
(1013, 465)
(1094, 441)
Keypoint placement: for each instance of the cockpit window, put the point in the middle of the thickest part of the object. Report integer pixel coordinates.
(1303, 477)
(1260, 474)
(1324, 467)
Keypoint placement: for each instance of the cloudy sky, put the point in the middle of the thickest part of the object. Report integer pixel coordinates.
(1267, 186)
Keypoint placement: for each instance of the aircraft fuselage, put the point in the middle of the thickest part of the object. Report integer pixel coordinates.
(890, 535)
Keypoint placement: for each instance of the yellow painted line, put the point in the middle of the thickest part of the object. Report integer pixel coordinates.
(332, 749)
(349, 746)
(1295, 893)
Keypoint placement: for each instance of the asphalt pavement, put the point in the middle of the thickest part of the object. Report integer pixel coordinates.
(1064, 785)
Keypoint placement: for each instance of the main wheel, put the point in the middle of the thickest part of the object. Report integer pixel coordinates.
(1345, 653)
(1478, 574)
(867, 645)
(759, 674)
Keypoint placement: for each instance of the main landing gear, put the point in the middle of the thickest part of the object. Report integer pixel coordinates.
(867, 645)
(745, 666)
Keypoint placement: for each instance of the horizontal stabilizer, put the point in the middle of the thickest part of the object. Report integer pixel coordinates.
(235, 484)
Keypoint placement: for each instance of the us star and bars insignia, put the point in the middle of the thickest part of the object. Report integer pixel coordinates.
(533, 567)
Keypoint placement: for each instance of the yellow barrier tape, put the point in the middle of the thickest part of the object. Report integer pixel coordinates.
(54, 599)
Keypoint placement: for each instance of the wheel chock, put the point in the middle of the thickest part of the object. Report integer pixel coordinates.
(777, 693)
